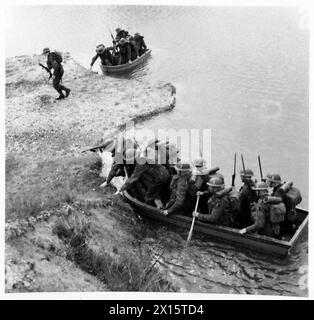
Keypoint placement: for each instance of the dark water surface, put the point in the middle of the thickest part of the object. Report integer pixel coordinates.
(243, 73)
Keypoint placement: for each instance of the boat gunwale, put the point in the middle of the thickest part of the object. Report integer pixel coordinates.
(233, 231)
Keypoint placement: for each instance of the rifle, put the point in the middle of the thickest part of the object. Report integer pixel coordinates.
(234, 170)
(113, 41)
(260, 168)
(50, 74)
(243, 164)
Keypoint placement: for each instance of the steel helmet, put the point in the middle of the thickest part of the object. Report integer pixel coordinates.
(109, 145)
(122, 41)
(217, 181)
(100, 48)
(260, 186)
(46, 50)
(136, 34)
(248, 173)
(118, 30)
(131, 154)
(274, 177)
(183, 166)
(199, 163)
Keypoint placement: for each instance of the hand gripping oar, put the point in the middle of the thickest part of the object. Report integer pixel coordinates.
(192, 225)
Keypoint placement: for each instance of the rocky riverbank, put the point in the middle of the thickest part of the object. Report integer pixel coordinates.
(63, 232)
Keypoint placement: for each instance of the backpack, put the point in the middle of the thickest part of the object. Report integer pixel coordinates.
(57, 56)
(233, 197)
(291, 198)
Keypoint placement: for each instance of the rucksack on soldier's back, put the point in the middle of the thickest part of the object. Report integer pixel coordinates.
(57, 56)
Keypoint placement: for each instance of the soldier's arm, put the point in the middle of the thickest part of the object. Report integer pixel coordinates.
(258, 224)
(182, 189)
(94, 59)
(214, 216)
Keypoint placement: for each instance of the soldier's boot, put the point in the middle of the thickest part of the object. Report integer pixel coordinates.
(67, 92)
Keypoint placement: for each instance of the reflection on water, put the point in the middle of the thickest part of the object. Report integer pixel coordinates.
(243, 72)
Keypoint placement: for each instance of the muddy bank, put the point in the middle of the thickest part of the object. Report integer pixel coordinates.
(63, 232)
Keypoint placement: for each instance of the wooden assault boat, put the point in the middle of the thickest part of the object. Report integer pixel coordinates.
(260, 243)
(124, 68)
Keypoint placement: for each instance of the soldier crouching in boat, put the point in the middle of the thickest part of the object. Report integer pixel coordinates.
(148, 179)
(223, 207)
(267, 213)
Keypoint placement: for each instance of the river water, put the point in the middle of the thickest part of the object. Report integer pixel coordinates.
(243, 73)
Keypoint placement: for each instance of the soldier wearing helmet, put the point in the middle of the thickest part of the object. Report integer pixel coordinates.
(140, 43)
(120, 33)
(180, 201)
(54, 61)
(246, 196)
(267, 213)
(273, 180)
(105, 54)
(148, 179)
(125, 51)
(219, 207)
(200, 177)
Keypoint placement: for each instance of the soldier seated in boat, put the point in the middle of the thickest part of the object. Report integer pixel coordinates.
(125, 52)
(200, 177)
(267, 213)
(291, 197)
(223, 204)
(180, 201)
(140, 43)
(247, 196)
(105, 54)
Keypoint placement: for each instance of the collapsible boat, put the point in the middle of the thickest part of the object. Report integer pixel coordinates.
(124, 68)
(260, 243)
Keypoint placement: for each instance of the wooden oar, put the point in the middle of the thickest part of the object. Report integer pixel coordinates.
(192, 225)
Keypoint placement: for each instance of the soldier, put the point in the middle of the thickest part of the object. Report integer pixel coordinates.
(124, 51)
(220, 208)
(54, 60)
(274, 181)
(105, 55)
(140, 43)
(290, 196)
(147, 179)
(118, 168)
(179, 187)
(247, 196)
(267, 213)
(200, 177)
(121, 34)
(134, 48)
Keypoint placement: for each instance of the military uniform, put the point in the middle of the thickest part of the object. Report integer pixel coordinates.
(179, 198)
(121, 34)
(106, 57)
(125, 53)
(58, 72)
(246, 197)
(134, 49)
(220, 211)
(140, 44)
